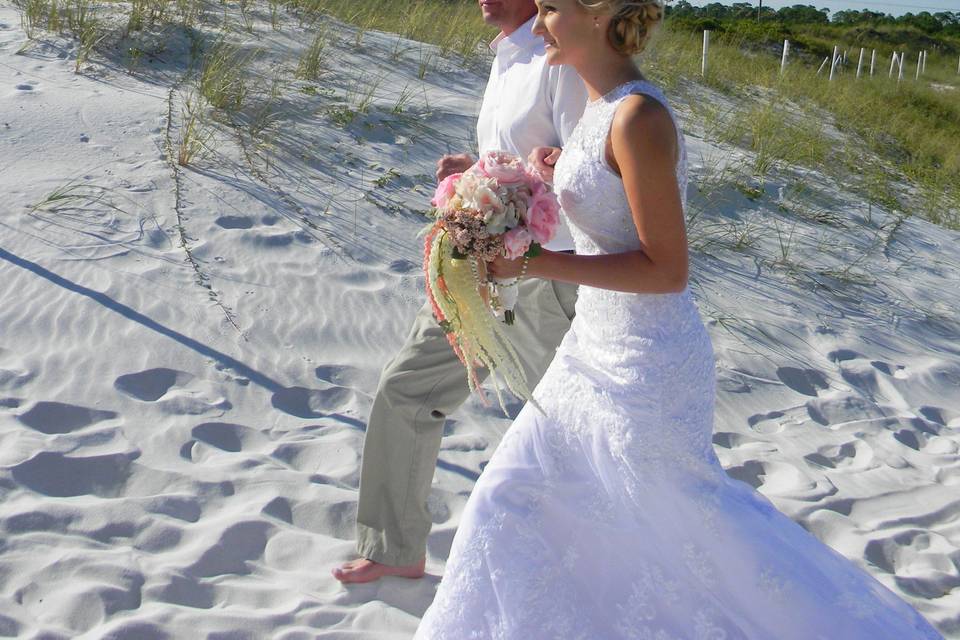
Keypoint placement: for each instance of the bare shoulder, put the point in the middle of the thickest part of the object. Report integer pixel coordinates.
(644, 123)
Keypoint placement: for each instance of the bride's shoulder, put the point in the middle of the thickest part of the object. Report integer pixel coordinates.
(642, 121)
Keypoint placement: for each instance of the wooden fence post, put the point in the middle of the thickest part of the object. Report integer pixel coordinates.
(893, 61)
(836, 58)
(783, 60)
(919, 64)
(873, 59)
(860, 62)
(706, 45)
(824, 63)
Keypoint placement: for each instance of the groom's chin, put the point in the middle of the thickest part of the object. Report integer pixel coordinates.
(491, 13)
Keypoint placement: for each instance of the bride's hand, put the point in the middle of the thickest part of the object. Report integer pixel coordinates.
(504, 269)
(543, 160)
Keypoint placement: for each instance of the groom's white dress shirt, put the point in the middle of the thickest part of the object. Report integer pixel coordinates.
(529, 103)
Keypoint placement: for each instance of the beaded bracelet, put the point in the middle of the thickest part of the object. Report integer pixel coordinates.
(523, 268)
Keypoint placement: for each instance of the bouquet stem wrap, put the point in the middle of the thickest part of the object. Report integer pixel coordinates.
(454, 289)
(507, 293)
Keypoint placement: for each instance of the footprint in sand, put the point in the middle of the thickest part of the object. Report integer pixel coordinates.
(842, 355)
(839, 409)
(920, 438)
(775, 478)
(731, 440)
(237, 545)
(273, 240)
(280, 509)
(176, 392)
(152, 384)
(222, 436)
(855, 455)
(938, 415)
(809, 382)
(897, 371)
(57, 417)
(313, 403)
(403, 267)
(766, 423)
(61, 476)
(921, 560)
(185, 591)
(234, 222)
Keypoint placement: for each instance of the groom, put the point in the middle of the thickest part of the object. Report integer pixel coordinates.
(527, 103)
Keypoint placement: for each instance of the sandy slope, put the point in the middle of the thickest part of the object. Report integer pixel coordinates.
(180, 438)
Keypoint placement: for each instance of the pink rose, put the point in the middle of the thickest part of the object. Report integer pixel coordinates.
(538, 188)
(543, 216)
(534, 182)
(516, 242)
(445, 191)
(503, 167)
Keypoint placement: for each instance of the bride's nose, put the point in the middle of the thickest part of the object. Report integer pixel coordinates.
(538, 28)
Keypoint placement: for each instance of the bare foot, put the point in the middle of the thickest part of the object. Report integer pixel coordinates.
(363, 570)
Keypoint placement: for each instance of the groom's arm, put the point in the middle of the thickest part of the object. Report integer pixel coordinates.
(569, 100)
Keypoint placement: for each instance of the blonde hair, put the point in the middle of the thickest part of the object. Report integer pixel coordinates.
(631, 21)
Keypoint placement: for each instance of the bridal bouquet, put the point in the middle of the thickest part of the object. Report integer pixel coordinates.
(496, 207)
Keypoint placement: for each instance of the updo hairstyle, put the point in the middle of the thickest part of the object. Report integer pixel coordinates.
(631, 21)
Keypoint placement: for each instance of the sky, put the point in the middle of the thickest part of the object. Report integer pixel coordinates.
(892, 7)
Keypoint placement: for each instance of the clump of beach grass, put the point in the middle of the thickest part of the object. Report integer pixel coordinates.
(195, 132)
(310, 65)
(223, 75)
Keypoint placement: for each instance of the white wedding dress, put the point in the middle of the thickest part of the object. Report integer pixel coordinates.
(609, 517)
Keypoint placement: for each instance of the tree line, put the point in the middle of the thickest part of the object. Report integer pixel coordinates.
(946, 23)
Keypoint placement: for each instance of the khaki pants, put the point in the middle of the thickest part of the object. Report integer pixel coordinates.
(418, 389)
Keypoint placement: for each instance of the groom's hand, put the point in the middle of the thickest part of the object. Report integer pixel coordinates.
(543, 159)
(451, 164)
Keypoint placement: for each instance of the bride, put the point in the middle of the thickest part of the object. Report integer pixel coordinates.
(604, 512)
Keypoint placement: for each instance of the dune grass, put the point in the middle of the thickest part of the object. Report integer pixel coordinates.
(912, 126)
(456, 27)
(910, 129)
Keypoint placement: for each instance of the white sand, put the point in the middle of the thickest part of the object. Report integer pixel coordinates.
(180, 444)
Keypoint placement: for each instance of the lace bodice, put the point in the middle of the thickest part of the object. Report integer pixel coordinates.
(591, 194)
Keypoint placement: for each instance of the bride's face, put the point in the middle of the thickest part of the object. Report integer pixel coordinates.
(569, 31)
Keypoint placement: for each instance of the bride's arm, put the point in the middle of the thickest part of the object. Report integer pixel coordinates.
(644, 151)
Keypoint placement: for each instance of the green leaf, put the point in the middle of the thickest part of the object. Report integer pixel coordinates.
(534, 250)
